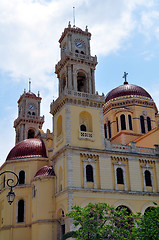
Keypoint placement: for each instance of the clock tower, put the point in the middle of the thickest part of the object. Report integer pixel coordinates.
(29, 120)
(76, 68)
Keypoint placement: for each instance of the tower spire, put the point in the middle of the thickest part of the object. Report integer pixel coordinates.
(29, 84)
(73, 16)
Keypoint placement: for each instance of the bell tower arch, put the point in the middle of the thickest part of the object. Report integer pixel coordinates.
(76, 68)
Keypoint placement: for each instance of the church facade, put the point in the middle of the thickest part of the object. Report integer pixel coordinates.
(101, 149)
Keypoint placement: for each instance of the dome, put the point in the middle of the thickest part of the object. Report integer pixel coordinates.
(28, 148)
(45, 171)
(31, 94)
(125, 90)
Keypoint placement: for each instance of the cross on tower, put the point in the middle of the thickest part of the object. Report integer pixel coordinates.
(125, 76)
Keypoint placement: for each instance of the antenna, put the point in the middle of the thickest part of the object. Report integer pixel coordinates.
(29, 84)
(73, 16)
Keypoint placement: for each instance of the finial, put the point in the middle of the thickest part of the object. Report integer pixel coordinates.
(69, 24)
(73, 16)
(86, 29)
(38, 94)
(125, 76)
(29, 84)
(24, 90)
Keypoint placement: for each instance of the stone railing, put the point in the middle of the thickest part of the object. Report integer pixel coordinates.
(131, 148)
(27, 116)
(86, 135)
(77, 95)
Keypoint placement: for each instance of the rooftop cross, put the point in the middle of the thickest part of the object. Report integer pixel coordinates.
(125, 76)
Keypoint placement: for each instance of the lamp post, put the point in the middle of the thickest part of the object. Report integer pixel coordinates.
(11, 183)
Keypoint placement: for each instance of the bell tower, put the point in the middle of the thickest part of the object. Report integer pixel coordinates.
(78, 111)
(76, 68)
(29, 120)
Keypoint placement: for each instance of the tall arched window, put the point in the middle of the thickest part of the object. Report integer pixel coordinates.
(21, 211)
(122, 121)
(120, 178)
(109, 129)
(148, 178)
(31, 133)
(117, 125)
(89, 173)
(149, 124)
(105, 130)
(130, 122)
(22, 177)
(59, 126)
(142, 124)
(124, 207)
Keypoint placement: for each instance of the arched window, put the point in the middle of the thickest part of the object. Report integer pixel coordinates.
(60, 179)
(29, 113)
(33, 113)
(149, 124)
(148, 178)
(117, 125)
(31, 133)
(130, 122)
(89, 173)
(109, 129)
(4, 181)
(83, 128)
(120, 179)
(148, 210)
(76, 51)
(21, 211)
(22, 177)
(122, 121)
(82, 52)
(142, 124)
(105, 130)
(81, 82)
(128, 211)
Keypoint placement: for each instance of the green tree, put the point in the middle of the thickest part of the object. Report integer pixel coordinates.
(148, 225)
(100, 221)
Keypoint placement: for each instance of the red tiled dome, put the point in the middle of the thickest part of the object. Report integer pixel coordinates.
(30, 94)
(125, 90)
(28, 148)
(45, 171)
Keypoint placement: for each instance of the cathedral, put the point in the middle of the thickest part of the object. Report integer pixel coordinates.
(101, 149)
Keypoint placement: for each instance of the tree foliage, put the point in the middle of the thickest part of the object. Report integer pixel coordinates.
(101, 221)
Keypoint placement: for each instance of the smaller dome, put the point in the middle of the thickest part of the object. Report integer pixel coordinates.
(45, 171)
(28, 148)
(126, 90)
(31, 94)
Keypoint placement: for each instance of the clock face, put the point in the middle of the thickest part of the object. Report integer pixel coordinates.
(31, 107)
(79, 44)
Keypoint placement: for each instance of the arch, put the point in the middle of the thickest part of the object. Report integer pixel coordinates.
(59, 126)
(33, 113)
(120, 177)
(124, 207)
(149, 124)
(63, 81)
(31, 133)
(130, 122)
(148, 181)
(61, 215)
(29, 113)
(142, 124)
(20, 211)
(123, 122)
(85, 120)
(21, 177)
(82, 52)
(76, 51)
(89, 173)
(149, 209)
(81, 82)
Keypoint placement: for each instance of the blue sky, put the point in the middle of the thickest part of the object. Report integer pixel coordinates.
(125, 37)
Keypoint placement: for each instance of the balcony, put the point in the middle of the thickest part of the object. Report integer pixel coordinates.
(86, 135)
